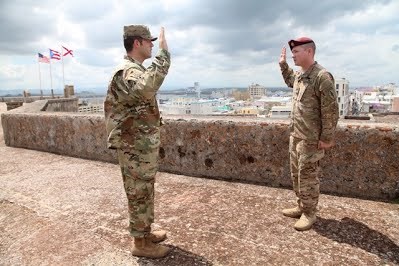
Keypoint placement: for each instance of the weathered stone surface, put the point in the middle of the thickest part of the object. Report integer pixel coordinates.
(58, 210)
(364, 162)
(247, 151)
(13, 105)
(77, 135)
(62, 105)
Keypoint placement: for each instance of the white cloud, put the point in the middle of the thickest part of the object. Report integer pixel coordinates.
(217, 43)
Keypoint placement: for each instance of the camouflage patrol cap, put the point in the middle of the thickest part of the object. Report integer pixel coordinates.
(138, 31)
(299, 41)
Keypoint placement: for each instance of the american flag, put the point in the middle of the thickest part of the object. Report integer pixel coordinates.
(55, 55)
(43, 59)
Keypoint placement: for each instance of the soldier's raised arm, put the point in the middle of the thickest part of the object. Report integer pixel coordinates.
(146, 84)
(283, 56)
(162, 40)
(286, 71)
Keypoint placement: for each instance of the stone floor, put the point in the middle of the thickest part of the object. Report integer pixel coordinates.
(57, 210)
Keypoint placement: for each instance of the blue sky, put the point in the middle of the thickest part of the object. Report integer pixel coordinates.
(225, 43)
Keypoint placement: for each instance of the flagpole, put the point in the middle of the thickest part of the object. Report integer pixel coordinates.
(51, 77)
(62, 59)
(40, 77)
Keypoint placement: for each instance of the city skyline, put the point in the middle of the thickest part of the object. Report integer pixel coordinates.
(219, 44)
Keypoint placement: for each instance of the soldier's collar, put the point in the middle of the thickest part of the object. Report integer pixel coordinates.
(307, 72)
(132, 60)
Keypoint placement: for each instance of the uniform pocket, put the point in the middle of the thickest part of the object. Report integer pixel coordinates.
(302, 89)
(309, 151)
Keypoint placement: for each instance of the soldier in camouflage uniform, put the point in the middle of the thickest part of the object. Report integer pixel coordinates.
(314, 119)
(132, 121)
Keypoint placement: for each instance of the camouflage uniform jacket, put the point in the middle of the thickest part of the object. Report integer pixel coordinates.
(314, 113)
(130, 107)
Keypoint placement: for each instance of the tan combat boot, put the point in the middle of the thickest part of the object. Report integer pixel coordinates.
(157, 236)
(293, 212)
(144, 247)
(305, 222)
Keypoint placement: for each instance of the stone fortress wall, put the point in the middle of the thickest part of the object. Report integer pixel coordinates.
(364, 163)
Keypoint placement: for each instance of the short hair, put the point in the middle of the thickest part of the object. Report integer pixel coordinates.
(129, 40)
(311, 45)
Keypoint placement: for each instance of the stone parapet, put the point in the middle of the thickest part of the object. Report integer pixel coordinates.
(364, 163)
(27, 99)
(62, 105)
(13, 105)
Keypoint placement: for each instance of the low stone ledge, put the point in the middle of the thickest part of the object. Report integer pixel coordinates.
(363, 164)
(13, 105)
(50, 105)
(62, 105)
(357, 117)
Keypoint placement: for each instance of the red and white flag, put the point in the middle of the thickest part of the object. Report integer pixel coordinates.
(43, 58)
(55, 54)
(67, 51)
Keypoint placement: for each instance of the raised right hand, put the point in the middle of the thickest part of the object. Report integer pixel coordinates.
(283, 56)
(162, 41)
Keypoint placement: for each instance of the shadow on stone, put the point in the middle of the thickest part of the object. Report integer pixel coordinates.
(176, 257)
(359, 235)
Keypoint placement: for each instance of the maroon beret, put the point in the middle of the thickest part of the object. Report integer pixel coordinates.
(299, 41)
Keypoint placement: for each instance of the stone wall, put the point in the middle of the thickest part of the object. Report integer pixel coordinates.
(62, 105)
(363, 164)
(50, 105)
(27, 99)
(13, 105)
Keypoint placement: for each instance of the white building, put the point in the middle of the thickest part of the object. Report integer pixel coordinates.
(256, 91)
(182, 106)
(197, 89)
(388, 89)
(376, 102)
(204, 107)
(342, 89)
(271, 101)
(178, 106)
(91, 108)
(281, 111)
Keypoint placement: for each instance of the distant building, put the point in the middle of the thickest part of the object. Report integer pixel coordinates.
(177, 106)
(266, 102)
(27, 93)
(217, 94)
(380, 99)
(281, 111)
(192, 106)
(342, 89)
(237, 105)
(355, 102)
(395, 104)
(203, 107)
(256, 91)
(197, 89)
(248, 111)
(92, 108)
(388, 89)
(69, 91)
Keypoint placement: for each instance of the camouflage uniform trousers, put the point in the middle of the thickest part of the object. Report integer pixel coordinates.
(139, 165)
(305, 172)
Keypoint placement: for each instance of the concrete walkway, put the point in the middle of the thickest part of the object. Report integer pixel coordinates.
(57, 210)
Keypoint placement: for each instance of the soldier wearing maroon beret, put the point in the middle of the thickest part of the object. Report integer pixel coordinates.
(314, 119)
(300, 41)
